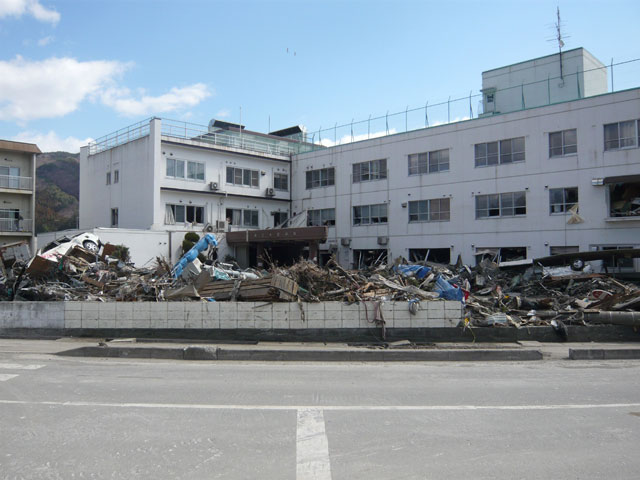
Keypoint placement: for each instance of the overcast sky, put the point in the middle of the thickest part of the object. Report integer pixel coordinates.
(75, 70)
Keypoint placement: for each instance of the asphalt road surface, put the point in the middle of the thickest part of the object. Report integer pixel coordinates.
(63, 418)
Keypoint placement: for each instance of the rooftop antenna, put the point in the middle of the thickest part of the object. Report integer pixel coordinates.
(559, 38)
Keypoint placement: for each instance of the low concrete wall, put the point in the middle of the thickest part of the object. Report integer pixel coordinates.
(40, 315)
(255, 315)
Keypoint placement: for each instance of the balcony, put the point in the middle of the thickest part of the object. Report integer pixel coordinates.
(16, 226)
(16, 183)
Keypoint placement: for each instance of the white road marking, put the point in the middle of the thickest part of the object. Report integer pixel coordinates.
(6, 376)
(391, 408)
(17, 366)
(312, 446)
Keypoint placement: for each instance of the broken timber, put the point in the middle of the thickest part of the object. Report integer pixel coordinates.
(276, 287)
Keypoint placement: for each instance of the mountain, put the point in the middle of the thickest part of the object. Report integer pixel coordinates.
(57, 187)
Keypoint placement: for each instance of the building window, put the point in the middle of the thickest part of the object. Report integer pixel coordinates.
(562, 199)
(10, 178)
(108, 182)
(114, 217)
(372, 170)
(436, 210)
(501, 205)
(116, 176)
(243, 177)
(10, 220)
(195, 171)
(184, 214)
(281, 181)
(621, 135)
(429, 162)
(504, 151)
(563, 250)
(436, 255)
(370, 214)
(322, 217)
(245, 218)
(624, 199)
(323, 177)
(176, 169)
(563, 143)
(617, 262)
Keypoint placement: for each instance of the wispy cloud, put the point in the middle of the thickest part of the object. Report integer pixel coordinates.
(51, 88)
(224, 113)
(45, 41)
(123, 101)
(18, 8)
(52, 142)
(356, 138)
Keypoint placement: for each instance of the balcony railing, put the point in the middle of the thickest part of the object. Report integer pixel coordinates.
(19, 183)
(122, 136)
(16, 225)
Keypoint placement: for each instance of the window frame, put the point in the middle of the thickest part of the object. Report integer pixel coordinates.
(500, 203)
(371, 214)
(566, 149)
(618, 139)
(499, 153)
(565, 205)
(114, 217)
(108, 179)
(116, 176)
(325, 217)
(423, 162)
(376, 170)
(240, 177)
(427, 211)
(282, 177)
(320, 178)
(184, 215)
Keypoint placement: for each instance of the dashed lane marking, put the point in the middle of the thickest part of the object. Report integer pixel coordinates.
(312, 446)
(17, 366)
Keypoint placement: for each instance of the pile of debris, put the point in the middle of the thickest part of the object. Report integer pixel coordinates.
(519, 293)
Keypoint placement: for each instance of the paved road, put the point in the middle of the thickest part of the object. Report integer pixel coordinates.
(109, 418)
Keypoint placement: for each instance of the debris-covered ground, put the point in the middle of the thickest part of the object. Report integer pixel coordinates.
(493, 295)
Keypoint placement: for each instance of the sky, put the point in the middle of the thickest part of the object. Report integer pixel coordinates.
(75, 70)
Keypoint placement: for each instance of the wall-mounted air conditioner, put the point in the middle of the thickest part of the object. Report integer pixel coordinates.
(345, 242)
(221, 225)
(213, 186)
(270, 192)
(383, 240)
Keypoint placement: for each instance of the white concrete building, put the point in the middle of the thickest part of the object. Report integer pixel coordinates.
(17, 191)
(561, 174)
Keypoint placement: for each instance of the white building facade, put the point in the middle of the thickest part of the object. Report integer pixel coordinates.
(537, 180)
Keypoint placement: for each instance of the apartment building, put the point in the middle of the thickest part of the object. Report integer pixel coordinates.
(552, 168)
(17, 191)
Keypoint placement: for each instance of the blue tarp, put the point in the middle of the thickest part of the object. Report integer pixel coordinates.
(448, 291)
(419, 271)
(205, 242)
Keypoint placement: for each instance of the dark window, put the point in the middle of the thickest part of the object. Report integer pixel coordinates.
(435, 210)
(563, 143)
(501, 205)
(504, 151)
(429, 162)
(323, 177)
(621, 135)
(367, 171)
(114, 217)
(370, 214)
(243, 177)
(281, 181)
(562, 199)
(325, 216)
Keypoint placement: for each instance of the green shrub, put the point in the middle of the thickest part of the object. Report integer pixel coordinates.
(192, 237)
(122, 253)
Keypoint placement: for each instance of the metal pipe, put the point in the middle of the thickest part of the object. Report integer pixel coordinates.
(614, 318)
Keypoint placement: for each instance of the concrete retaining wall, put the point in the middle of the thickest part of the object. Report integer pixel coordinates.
(223, 315)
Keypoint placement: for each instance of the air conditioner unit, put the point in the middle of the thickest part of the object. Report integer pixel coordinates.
(270, 192)
(345, 242)
(208, 228)
(213, 186)
(333, 247)
(221, 225)
(383, 240)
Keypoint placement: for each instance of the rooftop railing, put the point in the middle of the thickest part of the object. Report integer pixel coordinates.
(233, 139)
(120, 137)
